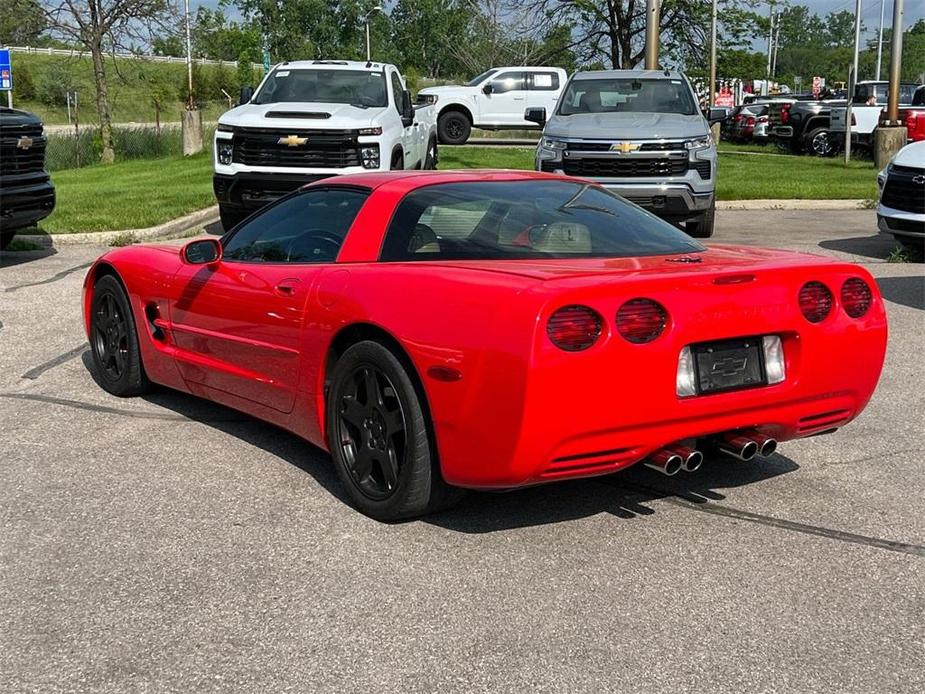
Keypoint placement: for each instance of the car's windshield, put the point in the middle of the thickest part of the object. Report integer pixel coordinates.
(478, 80)
(525, 219)
(619, 95)
(355, 87)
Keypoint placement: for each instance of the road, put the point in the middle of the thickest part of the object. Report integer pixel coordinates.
(165, 544)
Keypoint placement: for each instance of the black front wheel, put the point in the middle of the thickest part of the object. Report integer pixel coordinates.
(453, 128)
(114, 341)
(430, 159)
(379, 437)
(702, 228)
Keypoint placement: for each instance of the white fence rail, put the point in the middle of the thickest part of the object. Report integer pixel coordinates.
(74, 53)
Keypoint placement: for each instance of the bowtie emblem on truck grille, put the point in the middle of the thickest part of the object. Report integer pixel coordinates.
(292, 140)
(624, 147)
(919, 180)
(24, 142)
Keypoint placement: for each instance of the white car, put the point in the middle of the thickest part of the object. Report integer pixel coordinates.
(495, 100)
(312, 119)
(901, 208)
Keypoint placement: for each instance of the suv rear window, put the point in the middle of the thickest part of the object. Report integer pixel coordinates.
(525, 219)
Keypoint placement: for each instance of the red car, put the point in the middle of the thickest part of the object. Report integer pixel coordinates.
(488, 330)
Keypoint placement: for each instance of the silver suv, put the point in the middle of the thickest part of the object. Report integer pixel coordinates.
(641, 134)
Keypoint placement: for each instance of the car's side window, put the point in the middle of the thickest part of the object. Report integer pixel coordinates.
(508, 82)
(544, 81)
(307, 227)
(397, 91)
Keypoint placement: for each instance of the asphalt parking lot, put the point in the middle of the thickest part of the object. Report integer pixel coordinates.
(166, 544)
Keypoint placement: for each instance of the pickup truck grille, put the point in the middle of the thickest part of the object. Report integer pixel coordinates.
(901, 192)
(625, 167)
(604, 146)
(22, 150)
(324, 149)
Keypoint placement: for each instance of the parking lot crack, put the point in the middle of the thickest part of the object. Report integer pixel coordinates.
(37, 371)
(738, 514)
(48, 280)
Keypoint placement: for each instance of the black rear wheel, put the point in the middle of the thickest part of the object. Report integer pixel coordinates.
(114, 341)
(380, 439)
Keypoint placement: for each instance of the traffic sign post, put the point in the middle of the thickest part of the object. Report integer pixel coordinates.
(6, 75)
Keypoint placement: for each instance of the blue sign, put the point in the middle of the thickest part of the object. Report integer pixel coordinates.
(6, 71)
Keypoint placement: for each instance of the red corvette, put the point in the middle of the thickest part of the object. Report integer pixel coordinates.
(437, 331)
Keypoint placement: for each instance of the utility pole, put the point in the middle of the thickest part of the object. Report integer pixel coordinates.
(770, 39)
(857, 44)
(880, 39)
(191, 118)
(712, 101)
(653, 19)
(189, 61)
(776, 46)
(890, 137)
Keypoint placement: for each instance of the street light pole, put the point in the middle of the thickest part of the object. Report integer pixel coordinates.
(653, 19)
(189, 60)
(713, 57)
(377, 8)
(857, 42)
(880, 39)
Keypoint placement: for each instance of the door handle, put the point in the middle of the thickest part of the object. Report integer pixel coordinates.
(287, 287)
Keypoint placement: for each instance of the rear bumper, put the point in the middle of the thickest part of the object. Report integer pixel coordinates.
(251, 191)
(23, 205)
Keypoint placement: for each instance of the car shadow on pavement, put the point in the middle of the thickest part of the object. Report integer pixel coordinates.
(627, 494)
(878, 246)
(14, 257)
(905, 291)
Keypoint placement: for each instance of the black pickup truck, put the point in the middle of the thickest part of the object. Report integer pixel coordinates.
(26, 192)
(803, 126)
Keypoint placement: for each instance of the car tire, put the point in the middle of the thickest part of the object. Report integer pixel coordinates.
(230, 216)
(6, 238)
(820, 143)
(398, 161)
(453, 128)
(380, 437)
(114, 341)
(430, 158)
(702, 228)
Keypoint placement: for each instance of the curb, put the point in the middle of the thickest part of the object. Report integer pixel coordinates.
(104, 238)
(850, 204)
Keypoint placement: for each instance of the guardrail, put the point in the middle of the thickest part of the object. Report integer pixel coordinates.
(74, 53)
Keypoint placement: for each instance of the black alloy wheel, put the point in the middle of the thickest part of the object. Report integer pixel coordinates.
(110, 337)
(370, 431)
(453, 128)
(114, 342)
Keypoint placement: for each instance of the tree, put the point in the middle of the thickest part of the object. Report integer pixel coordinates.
(98, 26)
(427, 31)
(21, 23)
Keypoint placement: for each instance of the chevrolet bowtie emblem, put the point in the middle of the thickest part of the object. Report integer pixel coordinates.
(292, 140)
(624, 147)
(919, 179)
(24, 142)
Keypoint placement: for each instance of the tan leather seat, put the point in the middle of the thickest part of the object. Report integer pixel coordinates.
(564, 237)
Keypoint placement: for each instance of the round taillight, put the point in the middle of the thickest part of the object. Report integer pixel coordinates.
(815, 301)
(641, 320)
(855, 297)
(574, 328)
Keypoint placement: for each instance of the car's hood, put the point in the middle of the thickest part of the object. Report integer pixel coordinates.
(626, 126)
(450, 90)
(911, 155)
(301, 115)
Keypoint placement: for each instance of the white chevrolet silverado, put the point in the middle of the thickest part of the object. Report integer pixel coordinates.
(495, 100)
(312, 119)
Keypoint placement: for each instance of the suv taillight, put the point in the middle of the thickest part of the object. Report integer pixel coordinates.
(750, 121)
(574, 328)
(855, 297)
(815, 301)
(641, 320)
(785, 113)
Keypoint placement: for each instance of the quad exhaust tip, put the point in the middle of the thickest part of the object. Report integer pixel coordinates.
(665, 461)
(738, 446)
(691, 458)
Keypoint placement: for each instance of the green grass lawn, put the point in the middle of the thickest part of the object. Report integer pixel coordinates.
(130, 195)
(144, 192)
(741, 176)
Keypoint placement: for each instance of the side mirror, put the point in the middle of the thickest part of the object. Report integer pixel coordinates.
(488, 89)
(202, 252)
(536, 115)
(246, 94)
(715, 115)
(407, 109)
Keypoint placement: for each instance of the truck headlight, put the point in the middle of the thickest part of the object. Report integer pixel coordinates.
(698, 143)
(553, 145)
(369, 156)
(225, 150)
(427, 99)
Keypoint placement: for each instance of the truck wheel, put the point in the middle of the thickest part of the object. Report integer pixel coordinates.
(820, 142)
(380, 437)
(230, 216)
(398, 162)
(430, 159)
(702, 228)
(453, 127)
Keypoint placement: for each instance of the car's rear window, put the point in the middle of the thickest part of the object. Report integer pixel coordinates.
(525, 219)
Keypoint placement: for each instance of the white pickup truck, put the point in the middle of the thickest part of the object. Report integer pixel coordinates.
(495, 100)
(313, 119)
(870, 99)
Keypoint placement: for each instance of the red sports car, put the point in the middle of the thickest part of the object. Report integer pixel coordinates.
(480, 329)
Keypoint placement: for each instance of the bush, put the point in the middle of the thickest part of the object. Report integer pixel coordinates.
(23, 83)
(54, 83)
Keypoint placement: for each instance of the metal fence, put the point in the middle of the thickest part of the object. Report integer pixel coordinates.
(73, 53)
